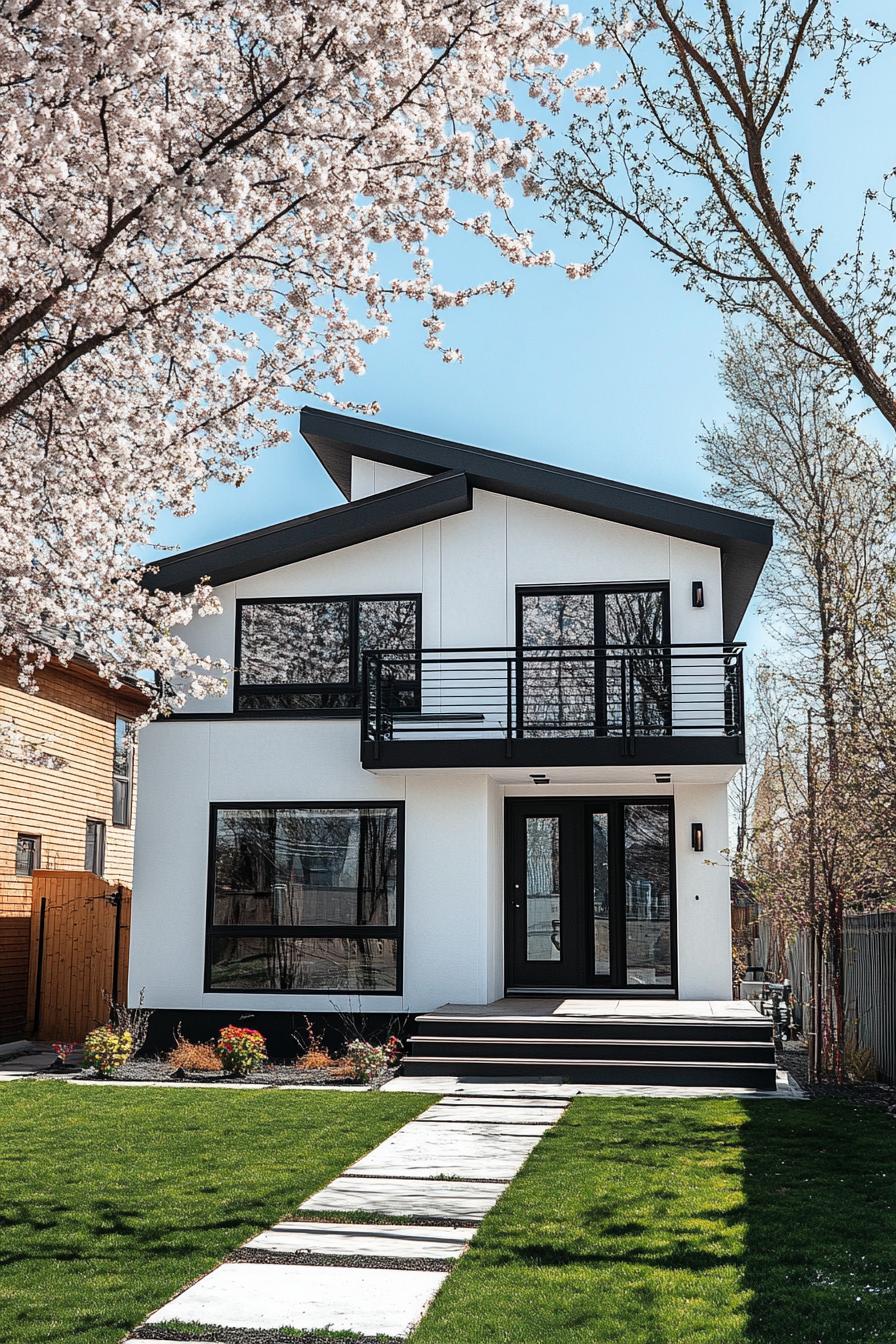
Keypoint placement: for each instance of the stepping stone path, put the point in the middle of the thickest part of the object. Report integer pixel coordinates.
(445, 1170)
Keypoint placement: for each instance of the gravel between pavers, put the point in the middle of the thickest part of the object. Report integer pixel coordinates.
(349, 1216)
(221, 1334)
(250, 1256)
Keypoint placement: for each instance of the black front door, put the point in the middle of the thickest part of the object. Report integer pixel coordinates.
(590, 900)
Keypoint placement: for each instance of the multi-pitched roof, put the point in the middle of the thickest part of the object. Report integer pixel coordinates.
(453, 470)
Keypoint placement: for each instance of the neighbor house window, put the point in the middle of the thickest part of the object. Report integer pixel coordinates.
(95, 847)
(305, 899)
(122, 774)
(304, 654)
(27, 854)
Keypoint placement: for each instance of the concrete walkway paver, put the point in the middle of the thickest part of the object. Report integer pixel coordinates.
(406, 1197)
(25, 1065)
(404, 1241)
(446, 1170)
(269, 1297)
(462, 1152)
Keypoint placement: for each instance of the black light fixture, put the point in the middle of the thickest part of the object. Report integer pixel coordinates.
(663, 778)
(697, 836)
(697, 598)
(539, 779)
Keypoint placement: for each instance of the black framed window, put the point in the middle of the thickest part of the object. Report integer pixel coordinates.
(579, 645)
(122, 773)
(95, 847)
(27, 854)
(305, 898)
(301, 655)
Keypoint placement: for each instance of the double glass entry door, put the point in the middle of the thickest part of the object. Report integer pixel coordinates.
(590, 893)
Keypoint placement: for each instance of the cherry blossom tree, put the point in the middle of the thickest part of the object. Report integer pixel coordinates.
(194, 199)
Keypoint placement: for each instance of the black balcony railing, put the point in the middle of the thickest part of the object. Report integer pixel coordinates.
(514, 695)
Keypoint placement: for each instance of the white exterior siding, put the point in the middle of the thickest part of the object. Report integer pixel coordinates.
(454, 845)
(467, 568)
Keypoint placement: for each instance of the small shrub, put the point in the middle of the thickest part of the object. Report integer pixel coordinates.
(240, 1050)
(861, 1064)
(134, 1021)
(63, 1049)
(341, 1068)
(314, 1059)
(394, 1051)
(107, 1050)
(366, 1061)
(194, 1057)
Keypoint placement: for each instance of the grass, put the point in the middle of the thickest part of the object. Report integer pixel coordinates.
(687, 1222)
(112, 1200)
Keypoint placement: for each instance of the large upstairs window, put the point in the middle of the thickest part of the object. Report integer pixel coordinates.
(592, 658)
(305, 899)
(302, 655)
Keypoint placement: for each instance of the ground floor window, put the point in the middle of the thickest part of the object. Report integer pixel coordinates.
(27, 854)
(305, 898)
(95, 846)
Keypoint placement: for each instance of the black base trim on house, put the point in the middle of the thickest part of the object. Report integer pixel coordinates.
(286, 1033)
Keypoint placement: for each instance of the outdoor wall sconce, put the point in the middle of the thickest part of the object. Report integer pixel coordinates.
(697, 836)
(697, 599)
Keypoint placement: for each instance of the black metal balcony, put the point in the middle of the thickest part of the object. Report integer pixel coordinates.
(678, 703)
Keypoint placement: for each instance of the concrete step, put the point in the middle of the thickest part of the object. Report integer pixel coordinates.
(573, 1046)
(593, 1028)
(659, 1072)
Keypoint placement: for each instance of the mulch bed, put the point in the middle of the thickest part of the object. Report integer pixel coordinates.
(794, 1058)
(156, 1070)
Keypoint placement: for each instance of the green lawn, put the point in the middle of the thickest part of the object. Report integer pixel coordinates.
(113, 1199)
(688, 1222)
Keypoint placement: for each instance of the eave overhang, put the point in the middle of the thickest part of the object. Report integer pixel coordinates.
(743, 539)
(439, 496)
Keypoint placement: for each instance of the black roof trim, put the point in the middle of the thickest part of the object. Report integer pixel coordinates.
(743, 538)
(438, 496)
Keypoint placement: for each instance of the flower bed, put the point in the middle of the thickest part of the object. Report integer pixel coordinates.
(158, 1070)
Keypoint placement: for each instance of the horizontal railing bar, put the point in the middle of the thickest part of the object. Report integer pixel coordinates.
(510, 649)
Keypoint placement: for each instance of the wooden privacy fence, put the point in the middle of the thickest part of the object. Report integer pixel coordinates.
(869, 980)
(79, 953)
(870, 988)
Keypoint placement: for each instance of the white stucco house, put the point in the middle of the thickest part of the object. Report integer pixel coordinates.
(477, 746)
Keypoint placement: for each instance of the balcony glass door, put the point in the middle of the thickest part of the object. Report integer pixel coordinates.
(586, 663)
(590, 893)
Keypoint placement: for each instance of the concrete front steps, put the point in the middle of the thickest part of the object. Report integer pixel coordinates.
(652, 1050)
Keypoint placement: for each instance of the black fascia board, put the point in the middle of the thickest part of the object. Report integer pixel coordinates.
(744, 539)
(438, 496)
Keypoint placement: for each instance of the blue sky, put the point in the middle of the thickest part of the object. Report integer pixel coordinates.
(613, 375)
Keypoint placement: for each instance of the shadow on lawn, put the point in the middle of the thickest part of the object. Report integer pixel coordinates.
(819, 1214)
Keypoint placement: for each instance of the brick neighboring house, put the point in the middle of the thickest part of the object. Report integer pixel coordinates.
(80, 817)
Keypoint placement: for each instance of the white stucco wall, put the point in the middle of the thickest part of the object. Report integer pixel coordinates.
(704, 901)
(450, 875)
(467, 568)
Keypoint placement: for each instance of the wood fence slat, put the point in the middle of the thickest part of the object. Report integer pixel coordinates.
(869, 980)
(76, 969)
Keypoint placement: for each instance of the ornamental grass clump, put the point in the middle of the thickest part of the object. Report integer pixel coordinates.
(107, 1050)
(240, 1050)
(194, 1056)
(315, 1055)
